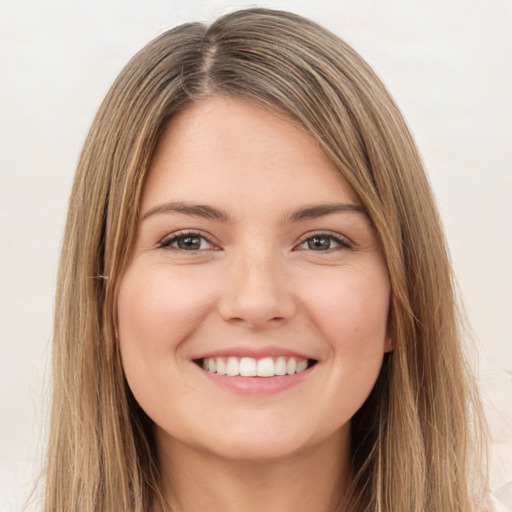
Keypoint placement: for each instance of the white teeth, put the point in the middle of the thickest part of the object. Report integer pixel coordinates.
(248, 367)
(266, 367)
(301, 365)
(233, 367)
(221, 366)
(291, 366)
(280, 366)
(251, 367)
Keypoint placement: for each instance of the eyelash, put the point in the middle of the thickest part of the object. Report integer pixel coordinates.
(341, 242)
(166, 243)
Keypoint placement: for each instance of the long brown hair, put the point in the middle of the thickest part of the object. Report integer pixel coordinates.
(415, 442)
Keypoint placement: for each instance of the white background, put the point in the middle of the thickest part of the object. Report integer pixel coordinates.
(447, 62)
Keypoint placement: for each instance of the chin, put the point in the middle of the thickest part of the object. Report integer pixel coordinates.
(258, 442)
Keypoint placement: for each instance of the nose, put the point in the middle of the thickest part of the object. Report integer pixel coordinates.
(257, 293)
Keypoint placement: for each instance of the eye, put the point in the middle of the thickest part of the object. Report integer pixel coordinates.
(323, 242)
(186, 241)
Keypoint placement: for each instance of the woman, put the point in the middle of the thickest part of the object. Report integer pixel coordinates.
(255, 307)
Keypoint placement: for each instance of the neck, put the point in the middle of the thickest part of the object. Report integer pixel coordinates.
(314, 480)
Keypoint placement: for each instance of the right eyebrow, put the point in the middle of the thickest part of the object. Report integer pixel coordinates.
(196, 210)
(320, 210)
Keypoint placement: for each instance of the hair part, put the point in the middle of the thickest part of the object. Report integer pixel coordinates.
(412, 448)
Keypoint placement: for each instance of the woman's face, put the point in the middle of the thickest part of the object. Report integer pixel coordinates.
(253, 256)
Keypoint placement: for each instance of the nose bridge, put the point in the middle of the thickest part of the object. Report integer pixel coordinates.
(257, 292)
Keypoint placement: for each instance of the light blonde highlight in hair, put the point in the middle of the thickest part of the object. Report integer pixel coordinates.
(412, 448)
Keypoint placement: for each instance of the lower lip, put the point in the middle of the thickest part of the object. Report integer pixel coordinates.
(257, 385)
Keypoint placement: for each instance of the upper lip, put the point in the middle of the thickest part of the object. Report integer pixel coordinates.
(254, 352)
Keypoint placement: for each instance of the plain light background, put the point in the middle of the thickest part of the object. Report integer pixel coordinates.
(447, 63)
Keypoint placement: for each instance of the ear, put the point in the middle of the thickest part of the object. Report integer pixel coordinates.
(388, 344)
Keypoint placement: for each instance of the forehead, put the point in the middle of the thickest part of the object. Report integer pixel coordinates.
(229, 150)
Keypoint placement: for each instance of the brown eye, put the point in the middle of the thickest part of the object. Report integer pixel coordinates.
(319, 243)
(323, 242)
(186, 242)
(189, 243)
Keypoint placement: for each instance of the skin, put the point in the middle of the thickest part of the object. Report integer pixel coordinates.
(252, 278)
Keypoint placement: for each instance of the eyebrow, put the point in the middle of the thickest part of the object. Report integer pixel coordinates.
(319, 210)
(196, 210)
(211, 212)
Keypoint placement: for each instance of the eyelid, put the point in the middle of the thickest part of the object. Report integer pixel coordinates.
(343, 241)
(167, 240)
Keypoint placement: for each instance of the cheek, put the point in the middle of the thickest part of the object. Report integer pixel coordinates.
(351, 312)
(351, 308)
(157, 309)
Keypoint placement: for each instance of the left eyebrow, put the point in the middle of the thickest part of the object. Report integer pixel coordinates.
(319, 210)
(195, 210)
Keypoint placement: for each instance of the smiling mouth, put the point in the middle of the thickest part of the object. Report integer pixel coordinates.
(252, 367)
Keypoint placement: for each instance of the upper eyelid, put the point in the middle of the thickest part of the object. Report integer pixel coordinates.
(332, 234)
(186, 232)
(212, 240)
